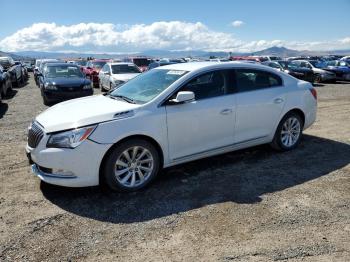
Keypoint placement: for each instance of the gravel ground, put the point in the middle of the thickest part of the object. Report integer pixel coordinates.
(250, 205)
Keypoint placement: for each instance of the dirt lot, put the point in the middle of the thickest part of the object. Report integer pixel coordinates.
(251, 205)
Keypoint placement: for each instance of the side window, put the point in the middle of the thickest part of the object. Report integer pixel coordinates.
(208, 85)
(249, 80)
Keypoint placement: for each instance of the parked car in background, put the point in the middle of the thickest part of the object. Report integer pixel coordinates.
(340, 68)
(5, 83)
(62, 81)
(92, 69)
(168, 116)
(24, 70)
(141, 61)
(113, 75)
(295, 70)
(39, 65)
(274, 65)
(29, 66)
(14, 69)
(321, 75)
(159, 63)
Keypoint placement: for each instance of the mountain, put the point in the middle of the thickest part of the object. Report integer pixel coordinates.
(275, 51)
(16, 56)
(279, 51)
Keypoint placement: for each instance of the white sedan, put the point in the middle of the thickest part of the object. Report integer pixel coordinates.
(167, 116)
(113, 75)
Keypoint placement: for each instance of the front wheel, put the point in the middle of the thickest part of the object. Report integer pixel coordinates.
(288, 133)
(131, 165)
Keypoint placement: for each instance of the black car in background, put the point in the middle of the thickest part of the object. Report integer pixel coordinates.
(14, 69)
(295, 70)
(61, 81)
(5, 83)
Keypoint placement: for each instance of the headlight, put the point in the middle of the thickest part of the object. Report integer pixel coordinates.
(70, 139)
(87, 87)
(49, 86)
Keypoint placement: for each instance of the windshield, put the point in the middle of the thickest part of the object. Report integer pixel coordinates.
(141, 61)
(125, 69)
(97, 65)
(63, 71)
(147, 86)
(80, 63)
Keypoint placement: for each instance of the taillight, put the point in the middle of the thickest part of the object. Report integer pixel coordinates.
(313, 92)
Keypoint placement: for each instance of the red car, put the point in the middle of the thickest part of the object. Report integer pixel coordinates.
(92, 69)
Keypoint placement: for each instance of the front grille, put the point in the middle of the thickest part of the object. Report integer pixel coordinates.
(35, 134)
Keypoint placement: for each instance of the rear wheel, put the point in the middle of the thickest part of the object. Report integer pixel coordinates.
(132, 165)
(288, 133)
(318, 79)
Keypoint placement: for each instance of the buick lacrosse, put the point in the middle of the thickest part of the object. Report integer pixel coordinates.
(167, 116)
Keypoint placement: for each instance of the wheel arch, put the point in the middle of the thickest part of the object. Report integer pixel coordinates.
(297, 111)
(144, 137)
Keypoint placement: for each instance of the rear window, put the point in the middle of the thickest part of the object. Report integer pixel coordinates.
(250, 79)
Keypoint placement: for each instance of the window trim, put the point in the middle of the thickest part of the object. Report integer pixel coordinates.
(164, 101)
(253, 69)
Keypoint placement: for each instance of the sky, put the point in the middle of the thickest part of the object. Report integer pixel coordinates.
(133, 26)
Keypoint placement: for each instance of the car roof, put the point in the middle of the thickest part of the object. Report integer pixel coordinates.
(61, 64)
(120, 63)
(194, 66)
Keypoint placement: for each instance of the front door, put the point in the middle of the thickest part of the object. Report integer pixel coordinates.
(206, 123)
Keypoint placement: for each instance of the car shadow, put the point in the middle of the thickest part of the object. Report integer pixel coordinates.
(3, 109)
(10, 94)
(242, 177)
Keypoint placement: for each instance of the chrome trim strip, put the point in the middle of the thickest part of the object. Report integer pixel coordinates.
(218, 148)
(40, 173)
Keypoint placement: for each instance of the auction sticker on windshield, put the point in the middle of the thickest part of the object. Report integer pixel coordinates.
(176, 72)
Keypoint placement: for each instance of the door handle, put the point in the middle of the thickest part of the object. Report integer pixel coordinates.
(278, 100)
(226, 111)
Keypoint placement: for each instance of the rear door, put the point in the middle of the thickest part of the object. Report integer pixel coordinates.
(260, 100)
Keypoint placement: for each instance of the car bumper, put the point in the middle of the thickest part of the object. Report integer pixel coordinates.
(327, 77)
(78, 167)
(94, 79)
(64, 95)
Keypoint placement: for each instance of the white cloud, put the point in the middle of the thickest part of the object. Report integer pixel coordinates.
(237, 23)
(173, 35)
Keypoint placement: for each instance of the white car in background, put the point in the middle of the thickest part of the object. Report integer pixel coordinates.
(320, 74)
(114, 74)
(167, 116)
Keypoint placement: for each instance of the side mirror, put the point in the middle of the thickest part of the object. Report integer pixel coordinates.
(183, 97)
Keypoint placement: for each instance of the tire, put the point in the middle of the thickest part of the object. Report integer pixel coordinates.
(281, 142)
(318, 79)
(128, 178)
(101, 86)
(9, 89)
(45, 101)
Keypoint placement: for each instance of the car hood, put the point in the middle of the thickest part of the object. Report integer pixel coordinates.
(343, 69)
(124, 77)
(82, 112)
(68, 81)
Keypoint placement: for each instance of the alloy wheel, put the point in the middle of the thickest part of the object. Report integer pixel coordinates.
(134, 166)
(290, 132)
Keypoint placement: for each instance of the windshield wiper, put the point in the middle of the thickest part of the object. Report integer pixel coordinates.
(127, 99)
